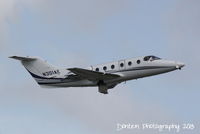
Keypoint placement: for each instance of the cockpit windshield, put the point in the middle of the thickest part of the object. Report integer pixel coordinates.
(151, 58)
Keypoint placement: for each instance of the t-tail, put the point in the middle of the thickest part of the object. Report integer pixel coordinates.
(39, 69)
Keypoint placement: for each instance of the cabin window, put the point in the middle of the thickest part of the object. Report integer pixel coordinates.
(129, 63)
(122, 64)
(112, 66)
(97, 69)
(105, 68)
(138, 61)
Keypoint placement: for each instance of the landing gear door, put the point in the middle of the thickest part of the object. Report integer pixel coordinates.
(122, 65)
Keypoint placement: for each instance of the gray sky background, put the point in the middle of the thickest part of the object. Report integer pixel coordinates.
(82, 33)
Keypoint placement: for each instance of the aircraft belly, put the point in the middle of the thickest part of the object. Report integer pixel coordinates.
(80, 83)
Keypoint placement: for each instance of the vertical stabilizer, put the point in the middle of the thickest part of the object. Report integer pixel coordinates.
(39, 69)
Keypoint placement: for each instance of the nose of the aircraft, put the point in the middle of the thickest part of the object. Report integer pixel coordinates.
(179, 65)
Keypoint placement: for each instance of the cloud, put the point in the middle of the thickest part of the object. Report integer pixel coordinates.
(96, 112)
(7, 10)
(10, 13)
(57, 15)
(184, 28)
(184, 37)
(85, 14)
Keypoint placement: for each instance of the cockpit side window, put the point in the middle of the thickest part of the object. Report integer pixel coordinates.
(151, 57)
(155, 58)
(146, 58)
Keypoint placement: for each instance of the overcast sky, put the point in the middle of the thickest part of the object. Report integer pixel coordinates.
(81, 33)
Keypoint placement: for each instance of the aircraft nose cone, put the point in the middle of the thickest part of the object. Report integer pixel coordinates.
(180, 65)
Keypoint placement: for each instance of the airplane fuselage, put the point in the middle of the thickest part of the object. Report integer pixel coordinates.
(128, 69)
(105, 76)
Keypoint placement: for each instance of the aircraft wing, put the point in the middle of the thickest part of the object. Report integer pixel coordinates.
(93, 75)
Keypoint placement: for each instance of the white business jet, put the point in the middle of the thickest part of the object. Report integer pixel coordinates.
(105, 76)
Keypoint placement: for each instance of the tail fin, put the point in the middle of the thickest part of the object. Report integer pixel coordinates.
(38, 68)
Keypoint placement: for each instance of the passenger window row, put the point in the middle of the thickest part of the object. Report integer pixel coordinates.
(113, 66)
(146, 58)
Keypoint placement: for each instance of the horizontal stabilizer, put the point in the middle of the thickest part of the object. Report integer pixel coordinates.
(92, 75)
(23, 58)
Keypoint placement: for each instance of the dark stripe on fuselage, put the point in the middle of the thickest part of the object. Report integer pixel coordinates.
(49, 83)
(40, 77)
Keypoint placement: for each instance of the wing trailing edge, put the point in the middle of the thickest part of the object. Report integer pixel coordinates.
(93, 75)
